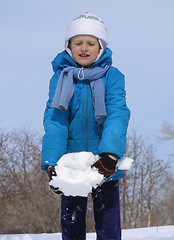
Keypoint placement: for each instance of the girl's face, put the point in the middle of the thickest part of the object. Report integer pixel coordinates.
(84, 49)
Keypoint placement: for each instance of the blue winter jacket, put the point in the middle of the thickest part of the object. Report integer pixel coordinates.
(76, 129)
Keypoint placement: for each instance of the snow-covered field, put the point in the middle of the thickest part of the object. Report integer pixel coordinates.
(152, 233)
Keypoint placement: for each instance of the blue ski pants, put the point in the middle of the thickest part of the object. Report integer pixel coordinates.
(106, 214)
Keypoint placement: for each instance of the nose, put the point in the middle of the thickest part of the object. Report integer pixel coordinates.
(84, 47)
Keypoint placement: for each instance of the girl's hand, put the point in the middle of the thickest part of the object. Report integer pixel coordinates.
(51, 172)
(106, 165)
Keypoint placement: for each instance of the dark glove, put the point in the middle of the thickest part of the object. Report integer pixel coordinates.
(56, 190)
(106, 166)
(51, 172)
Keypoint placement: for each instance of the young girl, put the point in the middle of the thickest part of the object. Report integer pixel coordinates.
(87, 111)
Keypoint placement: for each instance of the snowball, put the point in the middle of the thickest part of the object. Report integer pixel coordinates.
(75, 177)
(124, 163)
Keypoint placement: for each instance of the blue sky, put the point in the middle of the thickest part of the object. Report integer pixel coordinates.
(141, 36)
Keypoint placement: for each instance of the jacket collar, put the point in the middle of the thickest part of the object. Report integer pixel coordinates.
(63, 60)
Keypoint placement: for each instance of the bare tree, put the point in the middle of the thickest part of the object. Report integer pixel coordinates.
(166, 132)
(142, 185)
(28, 205)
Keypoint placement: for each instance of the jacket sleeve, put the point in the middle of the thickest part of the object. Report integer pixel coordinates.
(115, 126)
(56, 124)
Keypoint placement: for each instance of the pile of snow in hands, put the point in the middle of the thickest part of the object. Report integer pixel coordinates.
(75, 177)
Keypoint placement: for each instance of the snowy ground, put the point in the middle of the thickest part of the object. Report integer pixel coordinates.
(153, 233)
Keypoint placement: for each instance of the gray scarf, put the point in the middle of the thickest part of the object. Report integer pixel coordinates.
(65, 89)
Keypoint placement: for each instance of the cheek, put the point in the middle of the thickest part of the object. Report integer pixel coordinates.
(72, 49)
(97, 49)
(74, 52)
(96, 52)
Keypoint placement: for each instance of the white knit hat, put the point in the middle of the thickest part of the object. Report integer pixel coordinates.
(87, 24)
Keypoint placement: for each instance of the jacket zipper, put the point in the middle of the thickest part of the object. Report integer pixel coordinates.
(86, 119)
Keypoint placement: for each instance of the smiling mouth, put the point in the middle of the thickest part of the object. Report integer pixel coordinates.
(83, 55)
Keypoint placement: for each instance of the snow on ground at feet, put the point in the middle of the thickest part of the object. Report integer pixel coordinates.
(151, 233)
(75, 176)
(43, 236)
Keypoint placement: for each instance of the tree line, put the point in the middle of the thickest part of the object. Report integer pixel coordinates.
(27, 205)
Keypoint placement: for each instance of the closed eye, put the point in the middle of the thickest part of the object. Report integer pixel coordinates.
(91, 44)
(78, 43)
